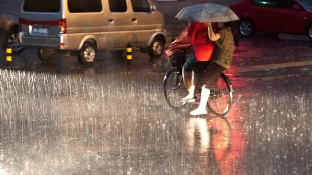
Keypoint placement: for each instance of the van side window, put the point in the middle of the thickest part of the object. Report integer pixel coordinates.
(140, 6)
(117, 5)
(84, 6)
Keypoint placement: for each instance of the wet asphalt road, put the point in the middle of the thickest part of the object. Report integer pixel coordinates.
(111, 118)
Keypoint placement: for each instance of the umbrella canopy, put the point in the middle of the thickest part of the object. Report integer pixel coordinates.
(207, 12)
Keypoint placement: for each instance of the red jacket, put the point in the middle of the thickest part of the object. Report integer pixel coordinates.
(203, 47)
(196, 35)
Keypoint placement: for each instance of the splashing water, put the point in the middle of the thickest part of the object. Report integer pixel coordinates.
(53, 124)
(56, 124)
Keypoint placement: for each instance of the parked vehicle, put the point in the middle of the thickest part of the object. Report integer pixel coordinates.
(274, 16)
(85, 26)
(9, 27)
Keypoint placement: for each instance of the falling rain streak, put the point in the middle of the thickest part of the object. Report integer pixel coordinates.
(55, 124)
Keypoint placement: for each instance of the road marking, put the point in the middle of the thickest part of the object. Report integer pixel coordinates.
(282, 76)
(271, 66)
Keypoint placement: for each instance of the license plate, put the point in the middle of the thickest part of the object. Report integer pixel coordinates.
(41, 30)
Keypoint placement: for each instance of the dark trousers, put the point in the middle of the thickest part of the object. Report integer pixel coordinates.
(208, 75)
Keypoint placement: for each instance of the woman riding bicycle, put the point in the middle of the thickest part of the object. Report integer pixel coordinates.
(203, 49)
(221, 61)
(194, 35)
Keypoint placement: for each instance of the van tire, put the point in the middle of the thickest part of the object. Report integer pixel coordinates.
(11, 41)
(46, 55)
(156, 47)
(87, 54)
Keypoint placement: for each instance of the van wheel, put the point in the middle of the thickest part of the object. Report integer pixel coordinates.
(46, 55)
(11, 41)
(87, 54)
(156, 47)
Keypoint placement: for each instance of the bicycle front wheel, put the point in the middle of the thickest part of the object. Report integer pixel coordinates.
(174, 89)
(220, 101)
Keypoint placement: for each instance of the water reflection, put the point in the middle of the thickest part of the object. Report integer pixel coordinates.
(227, 147)
(197, 135)
(218, 141)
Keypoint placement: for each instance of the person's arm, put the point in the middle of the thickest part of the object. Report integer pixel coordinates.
(212, 36)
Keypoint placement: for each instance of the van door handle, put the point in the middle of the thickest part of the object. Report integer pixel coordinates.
(110, 20)
(134, 21)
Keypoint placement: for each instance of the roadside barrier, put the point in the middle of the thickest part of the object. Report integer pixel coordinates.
(9, 56)
(129, 53)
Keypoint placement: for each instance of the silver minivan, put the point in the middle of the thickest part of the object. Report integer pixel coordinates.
(85, 26)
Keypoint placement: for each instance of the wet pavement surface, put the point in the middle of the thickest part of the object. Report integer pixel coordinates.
(110, 118)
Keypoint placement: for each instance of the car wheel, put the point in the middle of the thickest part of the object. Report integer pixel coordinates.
(46, 55)
(156, 48)
(87, 54)
(11, 41)
(246, 28)
(310, 32)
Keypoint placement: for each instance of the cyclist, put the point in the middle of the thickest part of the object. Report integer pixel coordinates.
(221, 61)
(203, 49)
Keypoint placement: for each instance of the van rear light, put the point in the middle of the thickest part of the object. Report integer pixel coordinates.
(24, 21)
(62, 26)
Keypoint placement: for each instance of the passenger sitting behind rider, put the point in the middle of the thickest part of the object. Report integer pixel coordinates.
(221, 61)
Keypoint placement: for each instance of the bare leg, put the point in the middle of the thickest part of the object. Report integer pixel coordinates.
(187, 78)
(189, 84)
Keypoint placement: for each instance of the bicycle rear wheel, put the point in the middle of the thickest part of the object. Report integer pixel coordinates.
(174, 89)
(220, 101)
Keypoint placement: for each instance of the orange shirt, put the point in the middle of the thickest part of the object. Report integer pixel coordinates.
(198, 33)
(203, 47)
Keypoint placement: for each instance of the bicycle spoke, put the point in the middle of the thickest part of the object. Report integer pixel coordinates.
(173, 89)
(220, 101)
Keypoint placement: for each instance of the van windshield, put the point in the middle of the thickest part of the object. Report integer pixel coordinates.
(41, 6)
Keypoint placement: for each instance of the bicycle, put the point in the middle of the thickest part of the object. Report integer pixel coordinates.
(219, 102)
